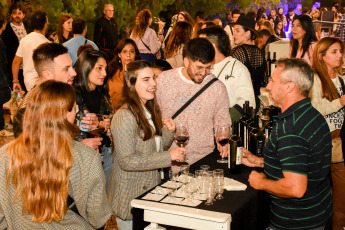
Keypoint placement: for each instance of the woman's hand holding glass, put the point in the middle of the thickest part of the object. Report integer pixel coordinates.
(178, 154)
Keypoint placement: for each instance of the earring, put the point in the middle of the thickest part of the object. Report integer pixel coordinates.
(119, 60)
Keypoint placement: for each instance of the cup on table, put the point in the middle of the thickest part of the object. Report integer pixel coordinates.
(205, 168)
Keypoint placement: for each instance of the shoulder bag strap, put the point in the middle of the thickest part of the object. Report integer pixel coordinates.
(194, 97)
(342, 85)
(145, 45)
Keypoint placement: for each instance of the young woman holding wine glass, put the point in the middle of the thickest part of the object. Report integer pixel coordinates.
(141, 141)
(45, 164)
(92, 97)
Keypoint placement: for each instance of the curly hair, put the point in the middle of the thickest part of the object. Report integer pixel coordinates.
(41, 157)
(180, 35)
(141, 23)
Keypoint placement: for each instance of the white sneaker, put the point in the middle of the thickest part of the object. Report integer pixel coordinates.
(5, 133)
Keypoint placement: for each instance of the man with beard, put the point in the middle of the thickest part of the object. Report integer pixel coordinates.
(297, 156)
(14, 32)
(52, 62)
(208, 112)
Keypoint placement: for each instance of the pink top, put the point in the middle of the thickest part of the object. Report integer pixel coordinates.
(208, 112)
(150, 39)
(308, 56)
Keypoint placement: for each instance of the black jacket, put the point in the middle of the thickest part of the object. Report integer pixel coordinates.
(11, 42)
(105, 33)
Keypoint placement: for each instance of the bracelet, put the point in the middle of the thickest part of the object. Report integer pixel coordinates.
(15, 81)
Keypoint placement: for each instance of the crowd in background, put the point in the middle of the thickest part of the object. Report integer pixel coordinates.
(120, 77)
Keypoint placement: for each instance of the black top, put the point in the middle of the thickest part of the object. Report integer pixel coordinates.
(3, 65)
(300, 142)
(105, 34)
(11, 42)
(254, 59)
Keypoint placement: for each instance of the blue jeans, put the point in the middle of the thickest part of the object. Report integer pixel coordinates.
(107, 163)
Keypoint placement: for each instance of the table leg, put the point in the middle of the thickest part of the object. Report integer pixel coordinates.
(154, 226)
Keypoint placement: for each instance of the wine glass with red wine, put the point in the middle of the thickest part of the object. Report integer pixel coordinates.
(223, 135)
(181, 137)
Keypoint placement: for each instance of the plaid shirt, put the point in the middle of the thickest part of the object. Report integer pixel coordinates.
(86, 186)
(136, 163)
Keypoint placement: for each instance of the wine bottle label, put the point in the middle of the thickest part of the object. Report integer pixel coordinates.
(266, 134)
(239, 156)
(245, 142)
(259, 146)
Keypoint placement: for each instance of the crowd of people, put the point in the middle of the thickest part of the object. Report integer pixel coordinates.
(96, 125)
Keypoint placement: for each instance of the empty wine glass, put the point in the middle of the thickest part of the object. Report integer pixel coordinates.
(181, 137)
(209, 193)
(218, 177)
(223, 136)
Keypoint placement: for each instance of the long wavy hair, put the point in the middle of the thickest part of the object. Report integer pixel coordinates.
(59, 29)
(141, 23)
(310, 36)
(268, 25)
(180, 35)
(187, 17)
(131, 99)
(41, 157)
(329, 90)
(116, 64)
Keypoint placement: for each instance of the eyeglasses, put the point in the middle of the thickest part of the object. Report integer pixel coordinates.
(200, 70)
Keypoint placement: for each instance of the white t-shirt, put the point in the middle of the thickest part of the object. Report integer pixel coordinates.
(25, 50)
(335, 120)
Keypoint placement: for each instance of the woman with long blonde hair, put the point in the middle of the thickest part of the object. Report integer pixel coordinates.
(327, 96)
(146, 38)
(44, 165)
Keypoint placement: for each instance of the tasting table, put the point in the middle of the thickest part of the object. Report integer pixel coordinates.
(237, 210)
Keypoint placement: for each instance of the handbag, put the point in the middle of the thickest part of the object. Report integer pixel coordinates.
(183, 107)
(147, 56)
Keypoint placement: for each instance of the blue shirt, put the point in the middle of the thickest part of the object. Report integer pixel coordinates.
(73, 44)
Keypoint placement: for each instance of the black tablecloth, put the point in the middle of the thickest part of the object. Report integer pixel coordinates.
(248, 209)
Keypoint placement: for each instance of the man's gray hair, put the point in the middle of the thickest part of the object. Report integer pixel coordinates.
(106, 5)
(297, 71)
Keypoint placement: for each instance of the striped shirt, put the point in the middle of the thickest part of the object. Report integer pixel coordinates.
(300, 142)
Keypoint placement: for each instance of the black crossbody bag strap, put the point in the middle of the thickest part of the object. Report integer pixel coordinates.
(342, 85)
(194, 97)
(145, 45)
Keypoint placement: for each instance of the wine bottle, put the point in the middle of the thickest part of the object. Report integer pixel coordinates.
(256, 139)
(250, 123)
(242, 124)
(235, 158)
(268, 129)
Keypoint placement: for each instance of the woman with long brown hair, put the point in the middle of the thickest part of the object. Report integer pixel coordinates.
(141, 141)
(146, 38)
(44, 165)
(303, 38)
(179, 36)
(327, 96)
(125, 52)
(63, 30)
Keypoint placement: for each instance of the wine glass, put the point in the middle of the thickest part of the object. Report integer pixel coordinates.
(97, 132)
(223, 135)
(218, 176)
(181, 137)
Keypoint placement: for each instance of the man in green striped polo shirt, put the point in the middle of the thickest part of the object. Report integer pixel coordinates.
(297, 156)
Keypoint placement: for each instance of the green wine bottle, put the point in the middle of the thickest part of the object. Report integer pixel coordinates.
(235, 158)
(256, 139)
